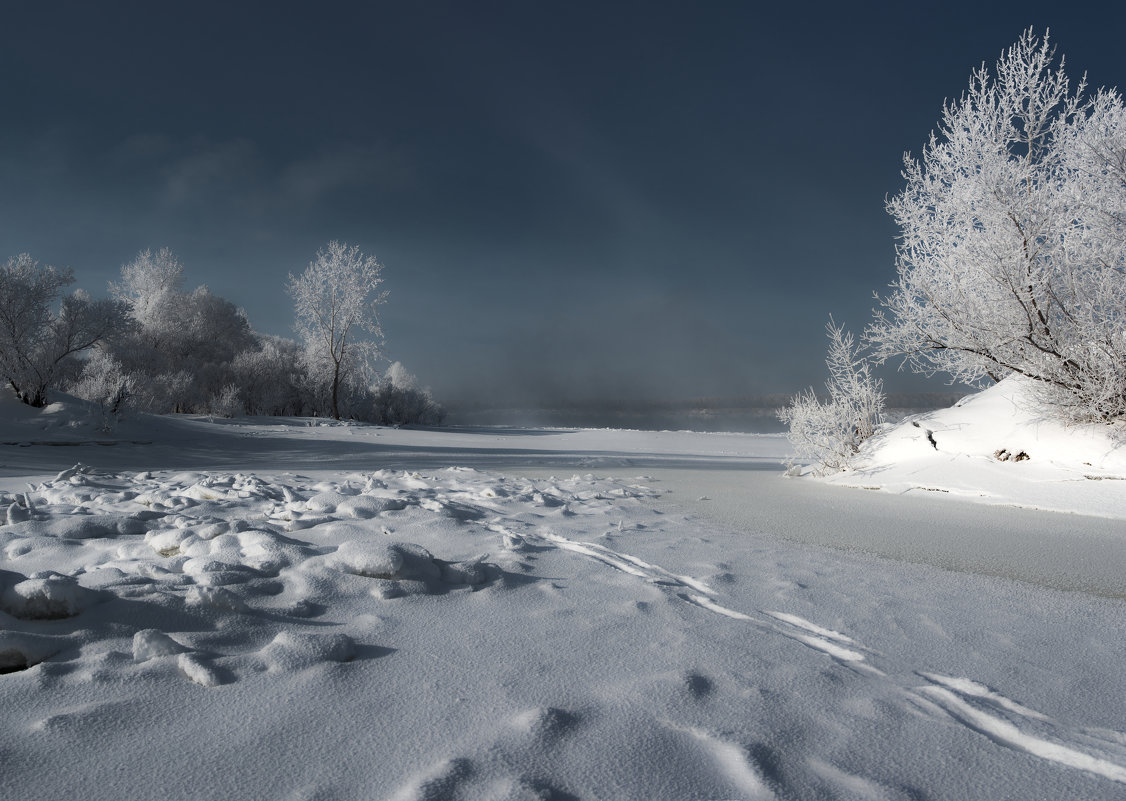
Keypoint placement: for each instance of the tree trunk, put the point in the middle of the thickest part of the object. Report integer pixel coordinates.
(335, 391)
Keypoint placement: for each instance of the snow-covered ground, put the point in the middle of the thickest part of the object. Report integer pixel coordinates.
(271, 609)
(997, 447)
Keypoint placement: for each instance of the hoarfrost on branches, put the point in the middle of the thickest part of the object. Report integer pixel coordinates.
(37, 345)
(336, 300)
(181, 345)
(104, 382)
(1012, 256)
(397, 399)
(227, 402)
(152, 286)
(829, 434)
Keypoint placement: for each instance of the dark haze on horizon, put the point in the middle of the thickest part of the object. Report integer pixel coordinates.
(650, 200)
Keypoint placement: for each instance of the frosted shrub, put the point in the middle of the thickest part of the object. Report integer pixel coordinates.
(227, 402)
(161, 393)
(829, 434)
(268, 377)
(103, 381)
(398, 400)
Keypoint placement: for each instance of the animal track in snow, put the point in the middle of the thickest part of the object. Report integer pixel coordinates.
(698, 685)
(546, 724)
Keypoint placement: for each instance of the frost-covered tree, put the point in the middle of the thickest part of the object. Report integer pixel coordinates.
(152, 285)
(1012, 256)
(336, 300)
(270, 377)
(829, 434)
(38, 345)
(182, 343)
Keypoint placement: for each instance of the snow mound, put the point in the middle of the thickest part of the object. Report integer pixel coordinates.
(152, 643)
(405, 568)
(47, 596)
(368, 506)
(998, 446)
(376, 559)
(291, 650)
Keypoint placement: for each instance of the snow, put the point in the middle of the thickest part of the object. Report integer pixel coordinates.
(998, 447)
(294, 609)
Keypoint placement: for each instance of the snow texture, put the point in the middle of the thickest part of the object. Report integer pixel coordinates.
(271, 609)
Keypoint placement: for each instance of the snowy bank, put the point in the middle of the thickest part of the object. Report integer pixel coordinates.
(997, 447)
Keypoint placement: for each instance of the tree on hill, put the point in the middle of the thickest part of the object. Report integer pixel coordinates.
(1012, 254)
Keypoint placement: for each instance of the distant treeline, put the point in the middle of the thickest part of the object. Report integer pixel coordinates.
(154, 346)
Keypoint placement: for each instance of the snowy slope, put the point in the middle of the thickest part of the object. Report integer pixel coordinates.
(997, 447)
(272, 609)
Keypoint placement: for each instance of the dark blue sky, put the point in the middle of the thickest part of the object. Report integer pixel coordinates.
(570, 200)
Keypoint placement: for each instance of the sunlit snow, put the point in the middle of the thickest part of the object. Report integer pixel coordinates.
(280, 608)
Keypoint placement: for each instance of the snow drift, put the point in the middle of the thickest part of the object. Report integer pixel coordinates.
(999, 447)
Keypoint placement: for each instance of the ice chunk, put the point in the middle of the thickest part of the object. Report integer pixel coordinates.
(151, 643)
(17, 513)
(216, 598)
(192, 667)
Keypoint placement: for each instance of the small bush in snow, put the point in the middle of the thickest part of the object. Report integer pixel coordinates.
(828, 434)
(103, 381)
(227, 402)
(398, 400)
